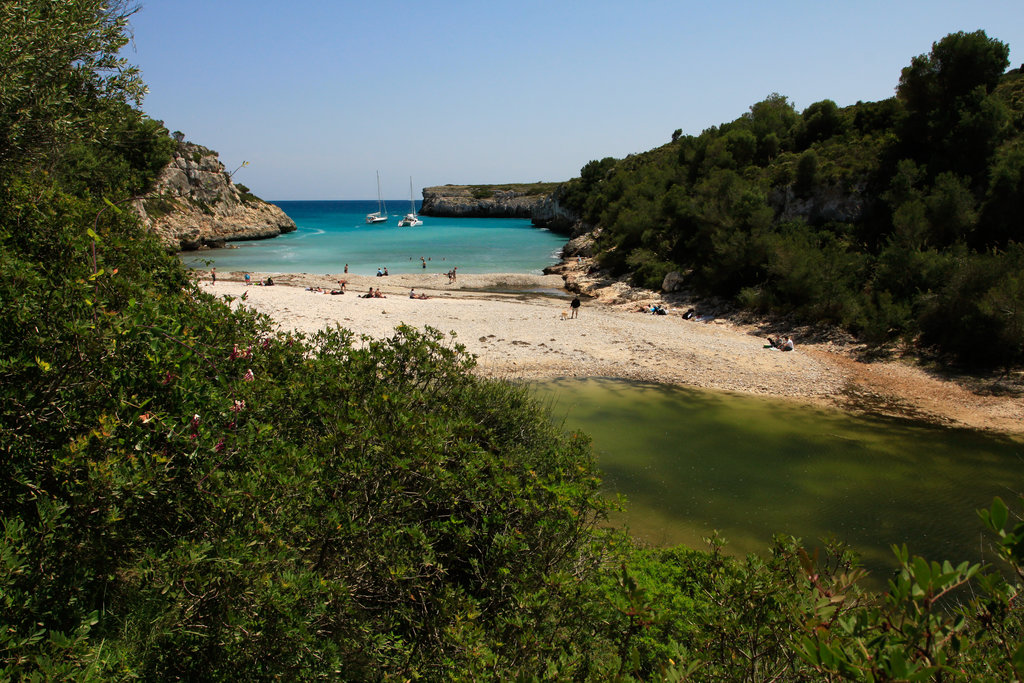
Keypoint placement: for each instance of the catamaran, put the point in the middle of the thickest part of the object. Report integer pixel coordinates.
(381, 214)
(411, 220)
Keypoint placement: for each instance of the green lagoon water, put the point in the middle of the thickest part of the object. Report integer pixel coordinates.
(690, 462)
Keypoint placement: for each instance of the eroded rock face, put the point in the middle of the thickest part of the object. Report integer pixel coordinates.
(549, 213)
(458, 201)
(464, 201)
(194, 204)
(673, 282)
(827, 203)
(580, 246)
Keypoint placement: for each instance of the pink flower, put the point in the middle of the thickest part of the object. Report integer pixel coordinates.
(238, 407)
(220, 446)
(249, 376)
(234, 352)
(195, 421)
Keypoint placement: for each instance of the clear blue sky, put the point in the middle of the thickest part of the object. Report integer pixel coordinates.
(319, 95)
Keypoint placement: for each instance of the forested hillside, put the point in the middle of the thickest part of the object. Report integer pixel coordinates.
(187, 494)
(899, 220)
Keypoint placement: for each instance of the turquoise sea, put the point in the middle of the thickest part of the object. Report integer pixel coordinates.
(333, 233)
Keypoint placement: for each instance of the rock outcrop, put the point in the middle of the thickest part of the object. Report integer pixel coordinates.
(466, 201)
(551, 214)
(194, 204)
(539, 202)
(825, 203)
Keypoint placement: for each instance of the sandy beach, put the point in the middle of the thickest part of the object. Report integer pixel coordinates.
(517, 326)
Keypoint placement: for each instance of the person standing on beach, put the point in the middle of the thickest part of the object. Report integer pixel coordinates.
(575, 306)
(346, 268)
(213, 275)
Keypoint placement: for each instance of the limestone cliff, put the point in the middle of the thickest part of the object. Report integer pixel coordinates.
(550, 213)
(484, 201)
(841, 203)
(195, 204)
(537, 201)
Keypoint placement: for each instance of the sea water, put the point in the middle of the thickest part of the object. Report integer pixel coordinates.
(332, 234)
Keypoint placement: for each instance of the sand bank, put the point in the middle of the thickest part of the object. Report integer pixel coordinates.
(517, 327)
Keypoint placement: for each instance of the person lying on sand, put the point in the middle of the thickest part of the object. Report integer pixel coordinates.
(414, 295)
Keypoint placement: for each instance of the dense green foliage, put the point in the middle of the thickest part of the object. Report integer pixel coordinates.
(187, 494)
(528, 189)
(899, 220)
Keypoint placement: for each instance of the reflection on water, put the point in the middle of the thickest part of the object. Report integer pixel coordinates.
(690, 462)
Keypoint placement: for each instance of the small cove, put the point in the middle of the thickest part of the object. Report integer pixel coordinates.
(333, 234)
(690, 462)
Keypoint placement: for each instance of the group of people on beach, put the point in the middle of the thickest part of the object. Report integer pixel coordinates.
(781, 343)
(373, 294)
(269, 282)
(324, 290)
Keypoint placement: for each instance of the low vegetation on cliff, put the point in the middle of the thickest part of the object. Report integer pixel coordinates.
(899, 220)
(187, 494)
(529, 190)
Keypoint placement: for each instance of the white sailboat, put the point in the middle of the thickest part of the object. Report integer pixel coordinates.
(411, 220)
(381, 214)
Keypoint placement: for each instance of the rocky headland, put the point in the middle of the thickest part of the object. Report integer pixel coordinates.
(484, 201)
(196, 205)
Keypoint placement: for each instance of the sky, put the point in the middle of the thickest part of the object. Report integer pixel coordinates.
(319, 96)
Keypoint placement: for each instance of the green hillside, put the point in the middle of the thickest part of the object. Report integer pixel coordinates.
(898, 220)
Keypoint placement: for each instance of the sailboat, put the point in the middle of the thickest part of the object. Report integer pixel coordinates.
(411, 220)
(381, 214)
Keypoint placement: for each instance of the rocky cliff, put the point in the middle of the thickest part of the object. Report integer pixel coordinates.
(194, 204)
(485, 201)
(537, 201)
(841, 203)
(550, 213)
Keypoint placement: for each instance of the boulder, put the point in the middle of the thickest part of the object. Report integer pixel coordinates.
(673, 282)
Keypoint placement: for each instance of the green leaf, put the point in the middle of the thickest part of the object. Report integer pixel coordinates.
(1018, 658)
(999, 514)
(922, 573)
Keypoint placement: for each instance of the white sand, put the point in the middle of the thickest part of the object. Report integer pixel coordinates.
(523, 335)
